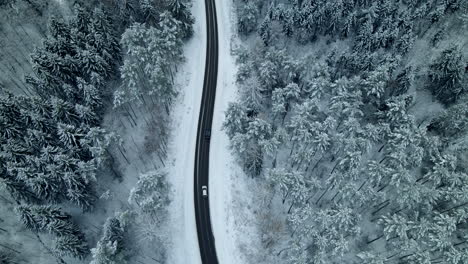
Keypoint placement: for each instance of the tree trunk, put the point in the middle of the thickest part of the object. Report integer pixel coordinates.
(123, 155)
(334, 167)
(316, 164)
(323, 194)
(290, 207)
(375, 239)
(130, 117)
(381, 208)
(382, 147)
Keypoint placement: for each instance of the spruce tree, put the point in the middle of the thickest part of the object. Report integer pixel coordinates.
(110, 249)
(70, 240)
(447, 75)
(151, 193)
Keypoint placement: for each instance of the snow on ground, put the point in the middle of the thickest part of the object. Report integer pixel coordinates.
(227, 182)
(183, 232)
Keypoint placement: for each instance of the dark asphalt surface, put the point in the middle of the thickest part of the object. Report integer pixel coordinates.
(202, 207)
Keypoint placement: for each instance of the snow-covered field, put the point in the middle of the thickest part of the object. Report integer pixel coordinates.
(182, 230)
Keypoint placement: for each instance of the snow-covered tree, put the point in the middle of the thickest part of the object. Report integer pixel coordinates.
(291, 93)
(151, 193)
(104, 37)
(265, 30)
(291, 185)
(152, 54)
(347, 102)
(70, 240)
(447, 75)
(374, 85)
(181, 11)
(248, 14)
(453, 122)
(348, 147)
(402, 82)
(110, 249)
(58, 158)
(236, 120)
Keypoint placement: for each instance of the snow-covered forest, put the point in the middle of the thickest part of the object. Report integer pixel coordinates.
(352, 122)
(86, 92)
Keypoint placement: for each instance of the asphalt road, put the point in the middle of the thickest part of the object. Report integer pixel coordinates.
(202, 206)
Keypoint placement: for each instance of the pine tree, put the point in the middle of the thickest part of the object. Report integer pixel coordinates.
(305, 126)
(46, 162)
(110, 249)
(265, 31)
(161, 49)
(279, 106)
(271, 146)
(288, 22)
(58, 28)
(236, 120)
(17, 189)
(151, 193)
(70, 240)
(181, 11)
(347, 101)
(253, 159)
(447, 76)
(92, 62)
(349, 24)
(375, 83)
(253, 95)
(104, 37)
(248, 14)
(81, 23)
(453, 122)
(76, 52)
(259, 129)
(71, 246)
(364, 37)
(149, 12)
(402, 82)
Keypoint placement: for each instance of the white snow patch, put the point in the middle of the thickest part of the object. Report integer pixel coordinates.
(226, 180)
(183, 231)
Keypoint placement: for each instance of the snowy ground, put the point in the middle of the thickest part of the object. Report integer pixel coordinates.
(228, 185)
(222, 164)
(182, 230)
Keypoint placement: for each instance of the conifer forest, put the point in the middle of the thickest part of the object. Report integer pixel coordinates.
(352, 115)
(65, 68)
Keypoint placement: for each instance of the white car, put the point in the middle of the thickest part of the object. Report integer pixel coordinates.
(204, 190)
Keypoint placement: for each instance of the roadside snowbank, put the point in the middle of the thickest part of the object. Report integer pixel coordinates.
(226, 180)
(183, 232)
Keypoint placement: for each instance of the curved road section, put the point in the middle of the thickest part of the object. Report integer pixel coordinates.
(202, 206)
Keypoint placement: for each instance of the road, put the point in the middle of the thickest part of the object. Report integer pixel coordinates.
(202, 207)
